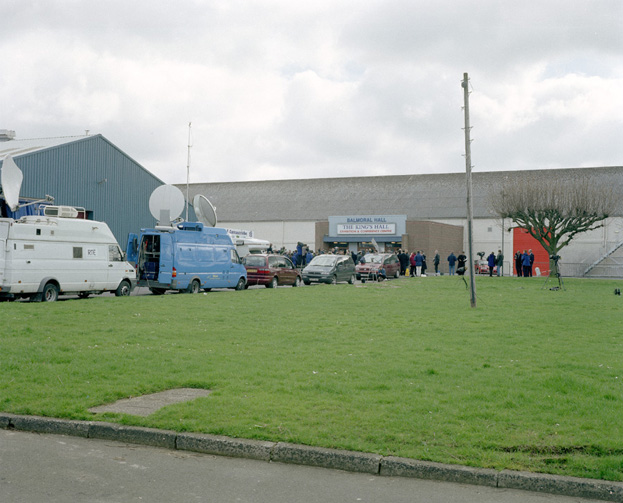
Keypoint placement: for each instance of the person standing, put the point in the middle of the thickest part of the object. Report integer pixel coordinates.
(531, 261)
(424, 265)
(451, 263)
(418, 264)
(518, 265)
(491, 263)
(461, 261)
(436, 262)
(403, 258)
(412, 264)
(499, 261)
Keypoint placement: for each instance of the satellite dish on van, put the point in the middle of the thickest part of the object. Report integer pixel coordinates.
(11, 180)
(166, 203)
(205, 211)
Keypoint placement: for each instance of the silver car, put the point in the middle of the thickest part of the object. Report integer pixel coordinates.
(330, 269)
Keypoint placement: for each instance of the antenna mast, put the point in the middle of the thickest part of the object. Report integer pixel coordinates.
(468, 169)
(188, 171)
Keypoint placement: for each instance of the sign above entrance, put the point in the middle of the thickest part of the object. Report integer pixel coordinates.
(366, 229)
(367, 225)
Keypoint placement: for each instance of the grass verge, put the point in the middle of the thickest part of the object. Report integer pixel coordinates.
(531, 379)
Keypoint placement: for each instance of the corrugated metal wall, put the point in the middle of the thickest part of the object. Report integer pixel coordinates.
(93, 173)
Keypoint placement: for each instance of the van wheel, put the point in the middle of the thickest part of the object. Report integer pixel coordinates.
(124, 289)
(50, 293)
(274, 283)
(241, 284)
(194, 287)
(334, 280)
(307, 282)
(352, 279)
(297, 281)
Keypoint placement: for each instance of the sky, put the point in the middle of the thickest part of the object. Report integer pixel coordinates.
(286, 89)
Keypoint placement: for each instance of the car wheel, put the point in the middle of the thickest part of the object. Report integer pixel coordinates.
(297, 281)
(307, 282)
(397, 274)
(352, 279)
(241, 284)
(50, 293)
(194, 286)
(274, 283)
(124, 289)
(334, 280)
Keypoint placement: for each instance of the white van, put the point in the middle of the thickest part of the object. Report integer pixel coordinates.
(44, 256)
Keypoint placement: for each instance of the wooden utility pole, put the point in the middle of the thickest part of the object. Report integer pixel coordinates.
(468, 169)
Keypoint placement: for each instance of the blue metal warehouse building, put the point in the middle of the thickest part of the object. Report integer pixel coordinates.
(88, 172)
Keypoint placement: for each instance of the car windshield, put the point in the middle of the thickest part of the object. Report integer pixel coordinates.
(255, 261)
(373, 258)
(323, 260)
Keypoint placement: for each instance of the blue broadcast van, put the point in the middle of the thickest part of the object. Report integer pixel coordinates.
(188, 257)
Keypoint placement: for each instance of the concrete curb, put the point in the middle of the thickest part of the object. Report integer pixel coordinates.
(317, 456)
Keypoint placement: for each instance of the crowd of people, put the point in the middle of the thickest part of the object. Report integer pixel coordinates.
(524, 263)
(414, 264)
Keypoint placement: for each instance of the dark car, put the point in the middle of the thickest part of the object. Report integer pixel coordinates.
(270, 270)
(372, 262)
(330, 269)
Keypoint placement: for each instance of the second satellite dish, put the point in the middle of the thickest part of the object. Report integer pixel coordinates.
(11, 180)
(204, 210)
(166, 204)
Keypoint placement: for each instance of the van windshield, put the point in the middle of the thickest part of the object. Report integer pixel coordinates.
(324, 260)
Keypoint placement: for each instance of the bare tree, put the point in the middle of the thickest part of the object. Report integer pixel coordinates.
(553, 211)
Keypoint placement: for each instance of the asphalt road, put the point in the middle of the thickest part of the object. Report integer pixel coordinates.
(54, 468)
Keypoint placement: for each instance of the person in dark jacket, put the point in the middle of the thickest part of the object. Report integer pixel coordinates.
(460, 263)
(531, 261)
(412, 264)
(418, 263)
(451, 263)
(518, 265)
(491, 263)
(499, 261)
(403, 258)
(436, 261)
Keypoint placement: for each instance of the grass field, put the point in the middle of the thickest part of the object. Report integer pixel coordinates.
(531, 379)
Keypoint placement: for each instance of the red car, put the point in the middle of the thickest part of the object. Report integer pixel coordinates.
(270, 270)
(370, 268)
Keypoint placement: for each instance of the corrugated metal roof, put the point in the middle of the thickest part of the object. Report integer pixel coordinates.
(28, 146)
(420, 197)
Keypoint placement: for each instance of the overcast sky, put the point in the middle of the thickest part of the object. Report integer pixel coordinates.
(280, 89)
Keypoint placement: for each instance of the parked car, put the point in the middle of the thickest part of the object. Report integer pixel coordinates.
(372, 262)
(270, 270)
(330, 269)
(482, 267)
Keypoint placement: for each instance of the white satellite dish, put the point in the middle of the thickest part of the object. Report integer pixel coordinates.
(11, 180)
(166, 204)
(205, 211)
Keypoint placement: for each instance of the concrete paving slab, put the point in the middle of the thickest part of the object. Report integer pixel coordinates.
(145, 405)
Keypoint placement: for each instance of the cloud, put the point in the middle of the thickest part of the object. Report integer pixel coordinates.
(278, 89)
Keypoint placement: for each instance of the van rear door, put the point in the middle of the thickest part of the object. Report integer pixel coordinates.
(131, 250)
(4, 234)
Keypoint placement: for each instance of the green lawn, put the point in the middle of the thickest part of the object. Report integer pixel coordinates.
(531, 379)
